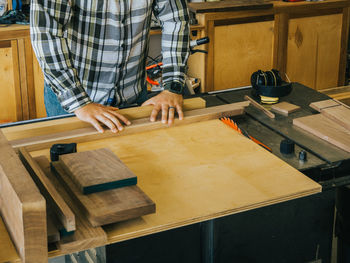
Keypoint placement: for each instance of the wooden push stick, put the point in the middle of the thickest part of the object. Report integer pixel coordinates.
(259, 107)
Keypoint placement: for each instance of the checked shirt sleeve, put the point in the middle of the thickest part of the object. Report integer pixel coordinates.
(173, 16)
(47, 28)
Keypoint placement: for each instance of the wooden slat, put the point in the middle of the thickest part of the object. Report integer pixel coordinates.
(140, 125)
(325, 129)
(68, 124)
(23, 78)
(97, 170)
(323, 104)
(16, 78)
(85, 236)
(285, 108)
(260, 107)
(30, 78)
(22, 206)
(110, 206)
(61, 209)
(344, 45)
(229, 5)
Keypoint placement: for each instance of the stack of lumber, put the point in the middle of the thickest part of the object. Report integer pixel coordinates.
(332, 125)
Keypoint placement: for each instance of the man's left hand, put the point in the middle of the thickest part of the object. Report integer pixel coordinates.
(168, 103)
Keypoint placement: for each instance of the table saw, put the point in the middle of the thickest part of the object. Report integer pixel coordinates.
(288, 223)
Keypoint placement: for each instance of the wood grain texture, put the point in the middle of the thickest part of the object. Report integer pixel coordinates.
(229, 5)
(285, 108)
(86, 236)
(97, 170)
(38, 89)
(318, 39)
(8, 109)
(339, 114)
(326, 129)
(140, 125)
(53, 235)
(205, 175)
(237, 45)
(68, 124)
(7, 246)
(22, 207)
(63, 212)
(260, 107)
(323, 104)
(108, 206)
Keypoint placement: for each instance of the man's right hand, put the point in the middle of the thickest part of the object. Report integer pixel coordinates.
(97, 114)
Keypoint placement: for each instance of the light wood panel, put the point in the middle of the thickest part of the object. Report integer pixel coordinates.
(339, 114)
(90, 133)
(7, 245)
(317, 39)
(62, 211)
(85, 236)
(97, 170)
(110, 206)
(285, 108)
(323, 104)
(326, 129)
(22, 207)
(68, 124)
(239, 51)
(8, 109)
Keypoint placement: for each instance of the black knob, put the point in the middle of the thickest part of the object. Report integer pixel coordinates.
(302, 156)
(287, 146)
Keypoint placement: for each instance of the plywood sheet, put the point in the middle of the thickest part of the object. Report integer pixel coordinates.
(323, 104)
(326, 129)
(198, 172)
(97, 170)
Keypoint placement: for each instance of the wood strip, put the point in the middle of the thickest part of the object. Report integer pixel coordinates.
(110, 206)
(259, 107)
(67, 124)
(229, 6)
(85, 236)
(61, 209)
(30, 78)
(323, 104)
(140, 125)
(23, 78)
(97, 170)
(339, 114)
(326, 129)
(17, 82)
(22, 207)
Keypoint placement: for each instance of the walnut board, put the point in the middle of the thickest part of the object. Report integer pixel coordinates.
(97, 170)
(285, 108)
(108, 206)
(326, 129)
(198, 172)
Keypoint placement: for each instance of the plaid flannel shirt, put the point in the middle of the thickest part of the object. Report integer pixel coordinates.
(96, 50)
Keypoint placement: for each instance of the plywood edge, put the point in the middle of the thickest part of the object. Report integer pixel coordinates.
(61, 209)
(139, 125)
(119, 238)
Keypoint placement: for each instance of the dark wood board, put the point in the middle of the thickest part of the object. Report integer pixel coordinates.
(227, 6)
(108, 206)
(97, 170)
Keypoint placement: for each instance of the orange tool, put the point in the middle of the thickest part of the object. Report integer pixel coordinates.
(234, 125)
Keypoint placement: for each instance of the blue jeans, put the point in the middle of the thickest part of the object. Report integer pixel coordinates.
(53, 106)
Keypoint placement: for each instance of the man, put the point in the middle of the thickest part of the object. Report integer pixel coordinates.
(93, 55)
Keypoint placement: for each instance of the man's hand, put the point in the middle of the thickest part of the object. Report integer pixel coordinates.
(167, 102)
(97, 114)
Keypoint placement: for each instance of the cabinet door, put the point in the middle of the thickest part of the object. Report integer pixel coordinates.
(10, 108)
(239, 50)
(313, 50)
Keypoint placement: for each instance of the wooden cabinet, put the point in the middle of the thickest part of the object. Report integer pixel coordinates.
(306, 40)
